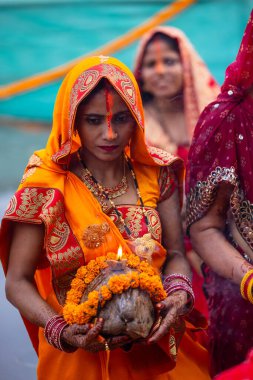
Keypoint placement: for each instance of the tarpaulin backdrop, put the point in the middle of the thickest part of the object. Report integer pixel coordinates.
(38, 36)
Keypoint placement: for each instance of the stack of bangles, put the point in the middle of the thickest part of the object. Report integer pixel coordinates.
(246, 286)
(53, 332)
(178, 281)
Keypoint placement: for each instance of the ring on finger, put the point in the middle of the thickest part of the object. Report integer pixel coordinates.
(157, 324)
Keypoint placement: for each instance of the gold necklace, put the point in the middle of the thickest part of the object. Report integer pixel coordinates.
(100, 191)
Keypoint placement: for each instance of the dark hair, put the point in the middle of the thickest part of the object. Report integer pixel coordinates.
(101, 85)
(158, 36)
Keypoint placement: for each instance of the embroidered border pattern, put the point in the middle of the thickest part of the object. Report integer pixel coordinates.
(242, 211)
(202, 195)
(63, 251)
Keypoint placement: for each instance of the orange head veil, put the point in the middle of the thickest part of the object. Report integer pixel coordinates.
(76, 86)
(200, 88)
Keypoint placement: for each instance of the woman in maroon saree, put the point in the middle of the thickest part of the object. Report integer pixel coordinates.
(220, 208)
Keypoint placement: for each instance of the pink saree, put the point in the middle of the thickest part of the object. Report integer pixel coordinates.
(221, 152)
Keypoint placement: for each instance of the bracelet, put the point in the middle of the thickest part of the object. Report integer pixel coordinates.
(183, 283)
(246, 286)
(250, 289)
(53, 332)
(176, 276)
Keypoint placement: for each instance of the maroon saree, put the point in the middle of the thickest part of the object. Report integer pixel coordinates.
(222, 152)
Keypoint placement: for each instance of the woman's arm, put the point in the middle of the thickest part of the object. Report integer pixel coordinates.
(26, 247)
(172, 236)
(174, 304)
(209, 241)
(21, 291)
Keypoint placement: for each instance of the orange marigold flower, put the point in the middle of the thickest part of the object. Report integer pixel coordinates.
(78, 284)
(89, 278)
(74, 296)
(134, 281)
(67, 313)
(105, 293)
(93, 297)
(147, 268)
(118, 283)
(133, 261)
(81, 272)
(111, 256)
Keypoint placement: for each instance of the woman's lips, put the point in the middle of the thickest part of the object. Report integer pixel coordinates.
(108, 148)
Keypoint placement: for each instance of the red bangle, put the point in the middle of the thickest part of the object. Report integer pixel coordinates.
(53, 332)
(175, 282)
(246, 286)
(177, 276)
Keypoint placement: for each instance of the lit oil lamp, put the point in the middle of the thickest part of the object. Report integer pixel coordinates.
(119, 264)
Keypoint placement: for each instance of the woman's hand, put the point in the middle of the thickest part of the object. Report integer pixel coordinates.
(167, 313)
(87, 337)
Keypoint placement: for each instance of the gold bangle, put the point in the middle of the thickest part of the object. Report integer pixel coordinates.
(249, 291)
(243, 282)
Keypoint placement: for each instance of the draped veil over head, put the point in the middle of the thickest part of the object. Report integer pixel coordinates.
(200, 88)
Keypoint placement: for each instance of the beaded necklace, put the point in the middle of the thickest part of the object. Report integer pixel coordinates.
(103, 193)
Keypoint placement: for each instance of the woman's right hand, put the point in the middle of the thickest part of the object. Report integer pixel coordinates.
(87, 337)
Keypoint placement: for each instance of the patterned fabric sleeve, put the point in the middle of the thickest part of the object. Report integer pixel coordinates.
(167, 183)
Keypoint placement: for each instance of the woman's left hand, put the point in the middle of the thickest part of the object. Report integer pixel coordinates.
(167, 313)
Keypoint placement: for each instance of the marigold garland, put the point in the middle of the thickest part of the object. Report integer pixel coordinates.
(143, 276)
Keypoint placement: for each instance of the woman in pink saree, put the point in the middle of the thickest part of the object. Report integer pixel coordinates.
(175, 86)
(220, 208)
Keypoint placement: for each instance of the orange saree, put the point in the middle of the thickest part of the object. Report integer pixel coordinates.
(51, 194)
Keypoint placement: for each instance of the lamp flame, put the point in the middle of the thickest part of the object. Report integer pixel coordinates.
(119, 254)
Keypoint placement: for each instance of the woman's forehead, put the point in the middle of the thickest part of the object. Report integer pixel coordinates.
(157, 47)
(103, 99)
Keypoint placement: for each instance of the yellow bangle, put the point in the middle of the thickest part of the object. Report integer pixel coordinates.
(243, 282)
(249, 290)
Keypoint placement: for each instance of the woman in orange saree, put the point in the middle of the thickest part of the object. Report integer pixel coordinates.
(63, 220)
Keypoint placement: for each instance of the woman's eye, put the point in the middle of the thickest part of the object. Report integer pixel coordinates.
(170, 61)
(149, 64)
(92, 120)
(121, 118)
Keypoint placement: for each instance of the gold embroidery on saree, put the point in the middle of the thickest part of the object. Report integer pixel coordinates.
(11, 206)
(68, 259)
(50, 214)
(31, 202)
(34, 160)
(59, 236)
(161, 156)
(94, 235)
(33, 163)
(133, 219)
